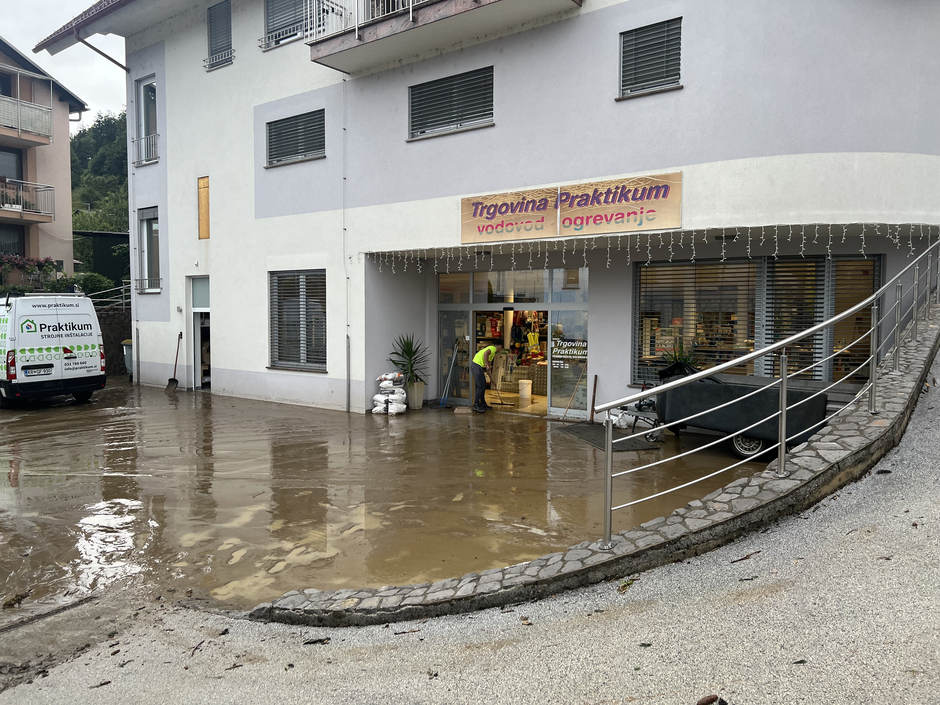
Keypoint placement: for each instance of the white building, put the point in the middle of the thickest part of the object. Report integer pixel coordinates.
(365, 156)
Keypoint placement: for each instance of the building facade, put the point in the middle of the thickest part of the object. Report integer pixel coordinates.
(35, 161)
(600, 184)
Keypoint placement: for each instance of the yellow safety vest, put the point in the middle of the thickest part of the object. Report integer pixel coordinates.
(478, 358)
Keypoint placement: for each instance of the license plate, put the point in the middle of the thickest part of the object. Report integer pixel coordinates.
(37, 371)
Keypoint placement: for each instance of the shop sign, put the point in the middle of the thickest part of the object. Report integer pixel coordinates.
(572, 350)
(642, 203)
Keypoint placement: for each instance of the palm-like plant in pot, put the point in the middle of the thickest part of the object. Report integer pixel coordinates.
(411, 358)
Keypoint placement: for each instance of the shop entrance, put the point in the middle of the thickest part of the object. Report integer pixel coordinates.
(541, 319)
(520, 373)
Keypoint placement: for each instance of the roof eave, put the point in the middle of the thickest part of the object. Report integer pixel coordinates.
(76, 104)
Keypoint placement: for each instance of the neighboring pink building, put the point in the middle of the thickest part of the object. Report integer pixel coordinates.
(35, 161)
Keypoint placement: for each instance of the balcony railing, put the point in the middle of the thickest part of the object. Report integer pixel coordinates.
(147, 286)
(25, 117)
(218, 60)
(324, 18)
(145, 150)
(27, 197)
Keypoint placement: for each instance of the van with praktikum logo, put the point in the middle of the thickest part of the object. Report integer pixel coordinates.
(50, 344)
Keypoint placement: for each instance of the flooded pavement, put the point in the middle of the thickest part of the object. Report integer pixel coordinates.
(241, 501)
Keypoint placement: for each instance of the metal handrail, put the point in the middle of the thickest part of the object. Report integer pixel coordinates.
(772, 348)
(920, 290)
(117, 295)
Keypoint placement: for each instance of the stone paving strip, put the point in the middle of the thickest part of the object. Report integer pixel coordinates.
(838, 454)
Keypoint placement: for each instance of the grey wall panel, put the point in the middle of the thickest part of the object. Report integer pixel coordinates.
(147, 186)
(306, 186)
(760, 77)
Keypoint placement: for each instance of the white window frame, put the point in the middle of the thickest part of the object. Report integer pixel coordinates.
(149, 260)
(146, 149)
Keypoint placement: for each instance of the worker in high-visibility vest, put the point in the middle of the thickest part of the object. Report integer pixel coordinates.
(482, 363)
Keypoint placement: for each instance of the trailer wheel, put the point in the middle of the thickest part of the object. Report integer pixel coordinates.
(747, 446)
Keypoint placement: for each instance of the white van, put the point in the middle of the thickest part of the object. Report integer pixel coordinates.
(50, 344)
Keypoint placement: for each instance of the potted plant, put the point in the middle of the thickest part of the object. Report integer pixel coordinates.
(679, 362)
(410, 358)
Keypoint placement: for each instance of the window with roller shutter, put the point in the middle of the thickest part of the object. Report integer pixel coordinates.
(297, 138)
(298, 319)
(450, 104)
(219, 27)
(650, 58)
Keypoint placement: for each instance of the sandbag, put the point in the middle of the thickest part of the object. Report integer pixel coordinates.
(391, 377)
(388, 384)
(394, 398)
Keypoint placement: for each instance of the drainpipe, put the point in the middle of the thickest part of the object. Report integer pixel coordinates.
(346, 264)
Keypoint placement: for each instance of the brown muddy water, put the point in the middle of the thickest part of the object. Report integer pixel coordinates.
(241, 501)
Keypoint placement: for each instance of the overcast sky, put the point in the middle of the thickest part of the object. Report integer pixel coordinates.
(92, 78)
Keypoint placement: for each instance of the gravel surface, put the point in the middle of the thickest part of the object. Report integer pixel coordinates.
(837, 605)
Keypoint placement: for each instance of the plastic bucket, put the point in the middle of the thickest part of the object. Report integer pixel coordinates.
(128, 346)
(525, 388)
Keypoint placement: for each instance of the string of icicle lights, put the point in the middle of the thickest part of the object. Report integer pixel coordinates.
(669, 246)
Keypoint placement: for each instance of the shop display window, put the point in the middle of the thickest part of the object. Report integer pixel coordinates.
(530, 286)
(454, 288)
(570, 285)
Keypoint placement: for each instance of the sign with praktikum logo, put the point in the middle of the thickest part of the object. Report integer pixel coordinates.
(637, 204)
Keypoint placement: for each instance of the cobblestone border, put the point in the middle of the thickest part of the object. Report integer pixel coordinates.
(840, 453)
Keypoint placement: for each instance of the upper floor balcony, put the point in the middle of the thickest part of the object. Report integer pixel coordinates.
(356, 35)
(25, 108)
(22, 202)
(24, 124)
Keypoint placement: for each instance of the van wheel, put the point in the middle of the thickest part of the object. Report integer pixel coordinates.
(747, 446)
(82, 397)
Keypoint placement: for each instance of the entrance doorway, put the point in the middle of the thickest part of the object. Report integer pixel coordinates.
(539, 316)
(202, 346)
(520, 373)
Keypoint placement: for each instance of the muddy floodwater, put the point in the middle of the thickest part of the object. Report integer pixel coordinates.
(241, 501)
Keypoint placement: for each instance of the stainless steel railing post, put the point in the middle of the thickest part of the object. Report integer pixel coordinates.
(926, 289)
(873, 363)
(782, 419)
(606, 543)
(899, 292)
(938, 274)
(916, 301)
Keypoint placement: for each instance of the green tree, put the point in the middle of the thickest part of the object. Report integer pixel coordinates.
(99, 174)
(109, 215)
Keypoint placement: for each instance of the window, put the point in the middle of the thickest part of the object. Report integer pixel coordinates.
(650, 57)
(11, 163)
(149, 234)
(453, 103)
(12, 240)
(298, 319)
(202, 190)
(283, 21)
(706, 309)
(219, 23)
(719, 311)
(297, 138)
(146, 143)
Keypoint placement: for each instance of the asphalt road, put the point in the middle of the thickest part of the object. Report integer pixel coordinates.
(838, 605)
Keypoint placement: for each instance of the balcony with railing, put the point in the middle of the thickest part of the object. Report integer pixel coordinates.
(146, 150)
(24, 202)
(27, 123)
(355, 35)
